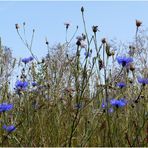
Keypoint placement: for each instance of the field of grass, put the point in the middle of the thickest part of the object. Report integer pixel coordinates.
(83, 93)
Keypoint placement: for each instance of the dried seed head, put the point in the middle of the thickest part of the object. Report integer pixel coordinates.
(103, 40)
(17, 26)
(132, 67)
(138, 23)
(95, 29)
(101, 64)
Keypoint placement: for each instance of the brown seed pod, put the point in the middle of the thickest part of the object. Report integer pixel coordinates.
(138, 23)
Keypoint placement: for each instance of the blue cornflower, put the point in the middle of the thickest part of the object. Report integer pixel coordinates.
(5, 107)
(9, 128)
(27, 60)
(124, 60)
(34, 84)
(118, 103)
(143, 80)
(121, 84)
(21, 84)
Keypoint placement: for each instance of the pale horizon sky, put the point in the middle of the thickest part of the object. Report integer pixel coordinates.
(115, 20)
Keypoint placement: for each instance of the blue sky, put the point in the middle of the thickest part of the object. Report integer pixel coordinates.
(115, 20)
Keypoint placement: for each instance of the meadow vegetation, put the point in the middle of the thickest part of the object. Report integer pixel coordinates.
(85, 92)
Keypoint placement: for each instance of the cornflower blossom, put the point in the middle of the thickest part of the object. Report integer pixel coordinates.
(5, 107)
(121, 84)
(9, 128)
(27, 60)
(124, 60)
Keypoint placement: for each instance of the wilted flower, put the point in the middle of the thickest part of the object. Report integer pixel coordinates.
(83, 44)
(118, 103)
(124, 60)
(143, 81)
(27, 60)
(5, 107)
(9, 128)
(121, 84)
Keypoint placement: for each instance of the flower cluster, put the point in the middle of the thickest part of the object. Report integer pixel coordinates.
(114, 103)
(3, 108)
(118, 103)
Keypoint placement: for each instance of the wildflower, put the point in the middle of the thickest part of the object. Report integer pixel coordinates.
(124, 60)
(121, 84)
(21, 84)
(143, 81)
(27, 60)
(34, 84)
(5, 107)
(118, 103)
(9, 128)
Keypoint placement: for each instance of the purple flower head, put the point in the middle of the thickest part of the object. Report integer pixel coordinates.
(21, 84)
(124, 60)
(143, 81)
(121, 84)
(27, 60)
(5, 107)
(9, 128)
(118, 103)
(34, 84)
